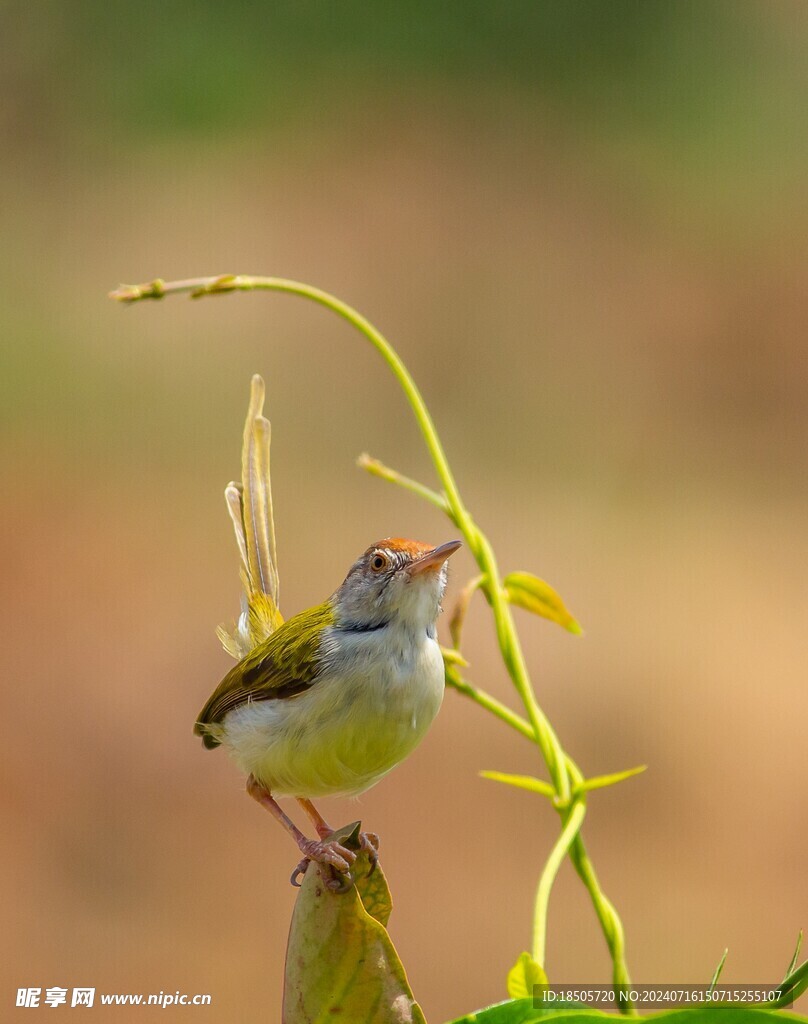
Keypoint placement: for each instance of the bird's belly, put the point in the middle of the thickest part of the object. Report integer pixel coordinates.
(341, 736)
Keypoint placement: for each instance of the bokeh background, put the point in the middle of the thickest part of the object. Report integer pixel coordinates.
(585, 226)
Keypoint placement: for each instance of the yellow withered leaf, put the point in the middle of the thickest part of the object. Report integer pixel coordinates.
(340, 962)
(534, 595)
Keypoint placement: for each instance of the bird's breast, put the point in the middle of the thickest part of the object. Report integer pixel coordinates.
(397, 681)
(369, 708)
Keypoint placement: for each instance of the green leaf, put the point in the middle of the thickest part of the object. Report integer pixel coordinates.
(340, 962)
(512, 1011)
(522, 1011)
(796, 956)
(601, 781)
(453, 657)
(793, 985)
(524, 974)
(521, 782)
(717, 971)
(539, 786)
(375, 895)
(707, 1015)
(534, 595)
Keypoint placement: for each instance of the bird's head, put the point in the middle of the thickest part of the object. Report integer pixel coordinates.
(394, 582)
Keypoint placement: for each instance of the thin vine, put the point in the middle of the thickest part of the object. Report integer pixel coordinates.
(567, 789)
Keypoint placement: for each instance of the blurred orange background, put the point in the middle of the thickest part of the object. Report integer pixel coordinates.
(584, 227)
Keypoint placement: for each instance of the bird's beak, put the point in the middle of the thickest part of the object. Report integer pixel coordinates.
(433, 559)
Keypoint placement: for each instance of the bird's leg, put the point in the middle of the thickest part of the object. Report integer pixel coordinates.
(368, 841)
(332, 855)
(319, 822)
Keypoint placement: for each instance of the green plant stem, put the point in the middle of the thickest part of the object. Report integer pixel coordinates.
(376, 468)
(477, 542)
(793, 986)
(610, 923)
(607, 915)
(511, 649)
(200, 287)
(563, 771)
(485, 700)
(574, 820)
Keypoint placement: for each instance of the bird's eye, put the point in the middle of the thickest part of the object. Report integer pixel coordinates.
(379, 562)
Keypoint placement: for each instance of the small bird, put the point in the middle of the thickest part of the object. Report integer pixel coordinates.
(339, 694)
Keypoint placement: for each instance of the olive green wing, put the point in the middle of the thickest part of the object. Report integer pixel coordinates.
(283, 665)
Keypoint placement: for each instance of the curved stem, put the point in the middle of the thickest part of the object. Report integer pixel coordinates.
(377, 468)
(485, 700)
(565, 774)
(480, 548)
(557, 854)
(200, 287)
(511, 648)
(610, 922)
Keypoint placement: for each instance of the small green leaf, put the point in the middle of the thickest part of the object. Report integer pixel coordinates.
(601, 781)
(524, 974)
(796, 956)
(717, 972)
(534, 595)
(453, 657)
(522, 782)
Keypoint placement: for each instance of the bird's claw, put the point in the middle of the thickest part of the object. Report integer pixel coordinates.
(369, 843)
(337, 859)
(336, 882)
(339, 883)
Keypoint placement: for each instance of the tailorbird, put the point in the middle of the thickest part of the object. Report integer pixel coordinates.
(339, 694)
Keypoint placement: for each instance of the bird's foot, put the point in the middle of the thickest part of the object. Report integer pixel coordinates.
(335, 858)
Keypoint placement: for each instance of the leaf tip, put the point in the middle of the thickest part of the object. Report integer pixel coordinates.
(451, 656)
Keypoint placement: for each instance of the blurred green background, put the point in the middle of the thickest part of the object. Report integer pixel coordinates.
(584, 225)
